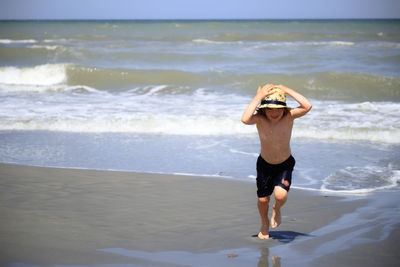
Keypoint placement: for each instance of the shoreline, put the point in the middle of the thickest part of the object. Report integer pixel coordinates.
(85, 217)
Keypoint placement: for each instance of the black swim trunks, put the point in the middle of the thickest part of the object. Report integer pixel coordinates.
(271, 175)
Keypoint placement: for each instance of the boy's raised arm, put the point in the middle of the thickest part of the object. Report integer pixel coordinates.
(305, 104)
(248, 116)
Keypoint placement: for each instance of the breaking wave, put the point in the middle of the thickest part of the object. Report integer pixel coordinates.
(69, 97)
(325, 85)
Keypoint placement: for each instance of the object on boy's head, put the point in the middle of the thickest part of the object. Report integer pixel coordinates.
(275, 100)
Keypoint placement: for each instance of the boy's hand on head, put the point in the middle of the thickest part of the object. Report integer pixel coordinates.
(282, 87)
(265, 90)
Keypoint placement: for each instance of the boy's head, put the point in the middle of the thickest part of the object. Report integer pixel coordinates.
(275, 100)
(274, 105)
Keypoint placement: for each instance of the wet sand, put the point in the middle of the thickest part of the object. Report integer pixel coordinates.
(87, 217)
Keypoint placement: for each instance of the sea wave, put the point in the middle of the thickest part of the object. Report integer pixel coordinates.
(299, 44)
(45, 89)
(255, 41)
(47, 47)
(87, 99)
(361, 180)
(367, 121)
(48, 74)
(391, 136)
(167, 124)
(275, 43)
(75, 75)
(11, 41)
(342, 86)
(206, 41)
(149, 110)
(175, 125)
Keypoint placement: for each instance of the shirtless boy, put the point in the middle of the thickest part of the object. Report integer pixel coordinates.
(274, 121)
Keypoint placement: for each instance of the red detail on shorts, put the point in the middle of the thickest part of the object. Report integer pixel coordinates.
(285, 183)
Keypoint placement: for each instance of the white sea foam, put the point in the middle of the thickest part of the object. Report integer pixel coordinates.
(206, 41)
(48, 74)
(361, 180)
(47, 47)
(262, 45)
(174, 126)
(10, 41)
(59, 88)
(349, 134)
(149, 110)
(155, 89)
(321, 43)
(278, 43)
(126, 112)
(366, 121)
(212, 42)
(61, 40)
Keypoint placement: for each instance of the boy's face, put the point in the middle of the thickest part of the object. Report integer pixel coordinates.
(274, 114)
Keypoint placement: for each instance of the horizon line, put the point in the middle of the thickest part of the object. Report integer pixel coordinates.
(204, 19)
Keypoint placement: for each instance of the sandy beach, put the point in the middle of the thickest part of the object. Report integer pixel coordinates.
(84, 217)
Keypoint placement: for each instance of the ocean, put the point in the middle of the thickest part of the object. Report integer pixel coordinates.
(167, 97)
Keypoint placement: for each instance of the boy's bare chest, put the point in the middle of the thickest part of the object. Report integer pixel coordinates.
(280, 131)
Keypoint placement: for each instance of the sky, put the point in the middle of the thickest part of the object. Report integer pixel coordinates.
(198, 9)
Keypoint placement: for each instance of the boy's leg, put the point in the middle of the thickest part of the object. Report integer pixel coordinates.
(263, 205)
(280, 199)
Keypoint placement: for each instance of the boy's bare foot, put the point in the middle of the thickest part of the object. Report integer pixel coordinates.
(263, 234)
(275, 218)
